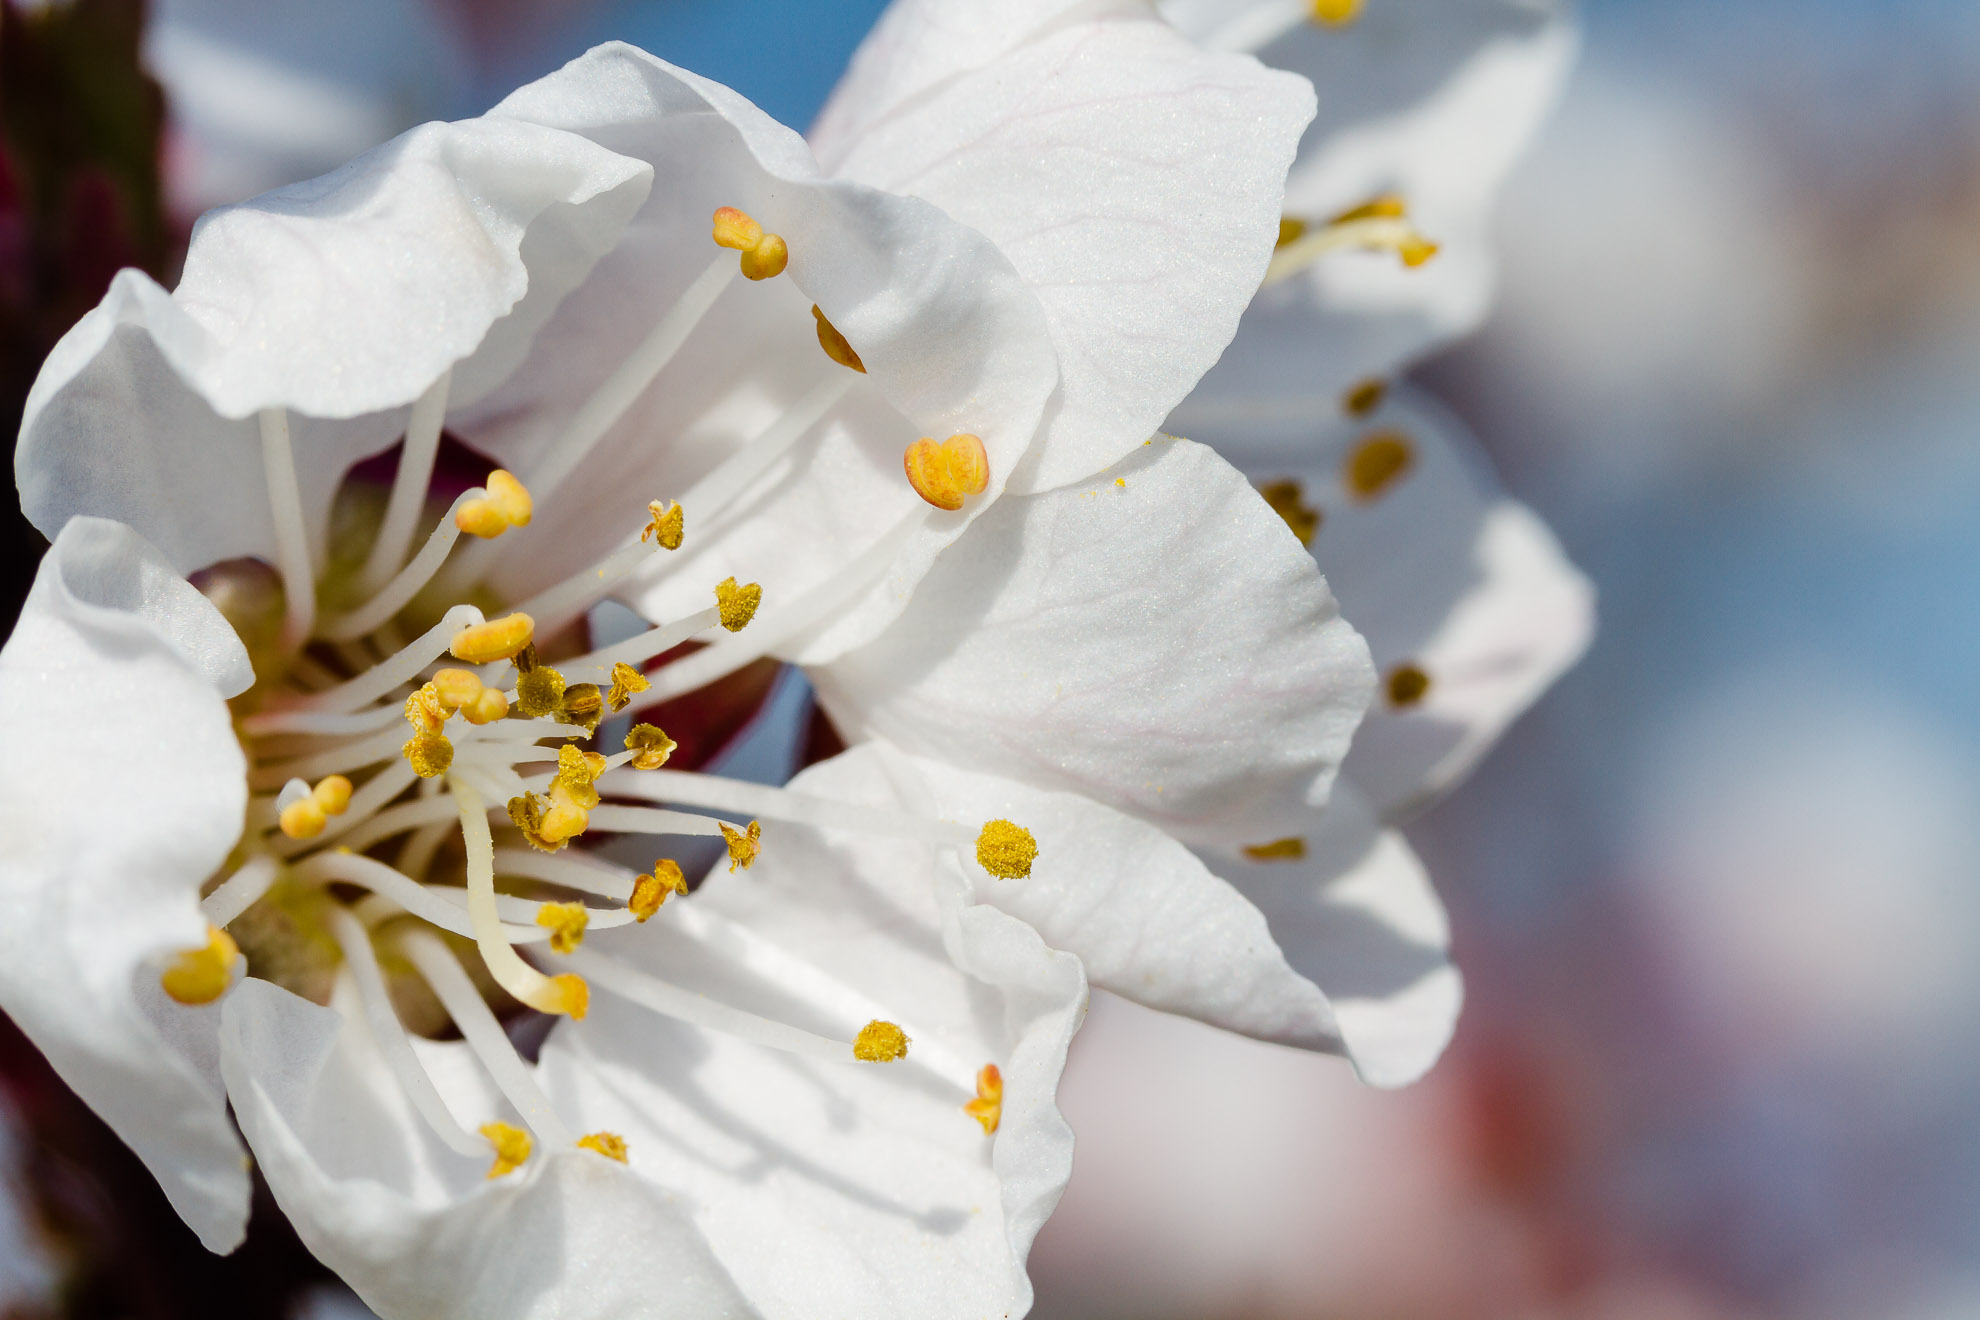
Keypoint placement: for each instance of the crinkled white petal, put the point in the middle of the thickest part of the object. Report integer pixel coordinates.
(1134, 180)
(344, 297)
(1358, 916)
(1440, 570)
(121, 791)
(1430, 100)
(851, 1190)
(1144, 916)
(1152, 640)
(421, 1233)
(951, 340)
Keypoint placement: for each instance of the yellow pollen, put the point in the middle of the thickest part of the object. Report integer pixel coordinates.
(1385, 206)
(576, 777)
(988, 1107)
(1285, 499)
(568, 995)
(507, 504)
(200, 976)
(491, 705)
(511, 1145)
(743, 845)
(1279, 850)
(303, 819)
(429, 754)
(526, 814)
(609, 1144)
(1006, 850)
(880, 1042)
(1377, 463)
(650, 891)
(566, 923)
(1291, 230)
(1407, 686)
(1336, 13)
(947, 473)
(738, 604)
(582, 704)
(763, 255)
(650, 747)
(456, 688)
(333, 794)
(564, 821)
(497, 639)
(1365, 398)
(539, 691)
(666, 522)
(425, 710)
(626, 683)
(835, 344)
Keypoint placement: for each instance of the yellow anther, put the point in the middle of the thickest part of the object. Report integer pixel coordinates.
(767, 259)
(577, 776)
(744, 845)
(1291, 230)
(1336, 13)
(946, 474)
(456, 688)
(568, 995)
(497, 639)
(425, 711)
(763, 255)
(583, 704)
(609, 1144)
(512, 1147)
(510, 496)
(835, 344)
(526, 814)
(650, 891)
(880, 1042)
(200, 976)
(490, 706)
(988, 1107)
(539, 692)
(429, 754)
(1385, 206)
(1006, 850)
(1365, 398)
(626, 683)
(650, 747)
(735, 229)
(566, 923)
(333, 794)
(1407, 686)
(303, 818)
(507, 504)
(1377, 463)
(1286, 501)
(1279, 850)
(563, 822)
(737, 604)
(666, 522)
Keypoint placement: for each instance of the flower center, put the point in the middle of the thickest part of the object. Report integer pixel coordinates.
(404, 788)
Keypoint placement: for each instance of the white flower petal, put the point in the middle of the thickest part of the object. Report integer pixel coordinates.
(341, 298)
(1357, 914)
(1441, 571)
(1145, 917)
(121, 790)
(849, 1189)
(1429, 100)
(419, 1233)
(950, 338)
(1133, 180)
(1154, 641)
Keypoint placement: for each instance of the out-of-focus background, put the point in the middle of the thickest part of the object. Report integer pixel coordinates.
(1715, 898)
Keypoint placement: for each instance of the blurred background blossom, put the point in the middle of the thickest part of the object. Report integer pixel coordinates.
(1715, 898)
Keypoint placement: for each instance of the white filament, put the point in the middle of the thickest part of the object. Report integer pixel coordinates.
(402, 667)
(668, 1000)
(239, 891)
(409, 486)
(396, 594)
(278, 464)
(737, 797)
